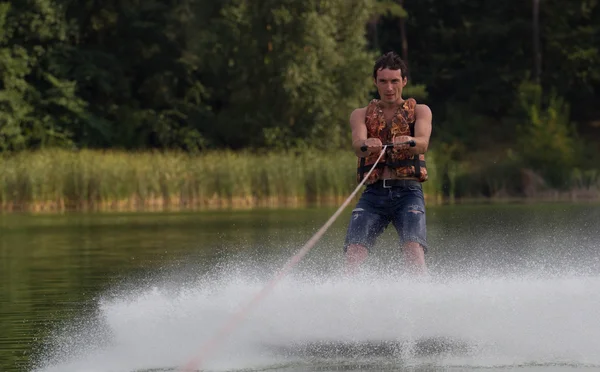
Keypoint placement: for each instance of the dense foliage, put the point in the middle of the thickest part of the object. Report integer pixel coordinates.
(212, 74)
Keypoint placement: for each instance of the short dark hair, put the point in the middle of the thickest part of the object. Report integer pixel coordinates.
(392, 61)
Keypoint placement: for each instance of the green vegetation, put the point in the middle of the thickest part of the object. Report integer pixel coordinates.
(203, 79)
(59, 180)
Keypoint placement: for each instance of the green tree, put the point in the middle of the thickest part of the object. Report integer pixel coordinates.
(570, 36)
(198, 74)
(547, 140)
(133, 67)
(287, 72)
(37, 107)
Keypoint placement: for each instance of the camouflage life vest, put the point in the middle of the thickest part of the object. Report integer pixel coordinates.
(402, 163)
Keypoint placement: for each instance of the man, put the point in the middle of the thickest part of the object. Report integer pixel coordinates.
(394, 189)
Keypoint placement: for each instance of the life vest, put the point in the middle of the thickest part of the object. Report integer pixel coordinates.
(402, 163)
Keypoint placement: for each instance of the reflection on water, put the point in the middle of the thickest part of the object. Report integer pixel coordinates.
(518, 285)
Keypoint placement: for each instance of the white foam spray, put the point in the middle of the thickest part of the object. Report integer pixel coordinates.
(525, 320)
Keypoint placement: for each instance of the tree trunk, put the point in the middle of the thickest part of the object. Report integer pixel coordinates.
(537, 54)
(402, 22)
(373, 33)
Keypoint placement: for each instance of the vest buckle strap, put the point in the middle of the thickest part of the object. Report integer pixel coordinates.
(388, 183)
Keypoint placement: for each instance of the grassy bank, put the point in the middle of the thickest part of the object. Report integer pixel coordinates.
(59, 180)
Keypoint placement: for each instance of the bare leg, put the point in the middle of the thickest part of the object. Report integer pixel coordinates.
(414, 258)
(355, 255)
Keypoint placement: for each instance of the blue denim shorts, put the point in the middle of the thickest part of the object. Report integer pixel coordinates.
(402, 205)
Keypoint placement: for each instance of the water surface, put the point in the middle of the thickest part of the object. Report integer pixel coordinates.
(513, 287)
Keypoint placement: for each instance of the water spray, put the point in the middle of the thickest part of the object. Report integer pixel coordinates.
(211, 345)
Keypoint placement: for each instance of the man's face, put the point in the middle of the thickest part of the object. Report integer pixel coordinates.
(389, 85)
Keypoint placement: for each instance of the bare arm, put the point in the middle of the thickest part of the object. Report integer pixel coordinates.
(422, 129)
(359, 131)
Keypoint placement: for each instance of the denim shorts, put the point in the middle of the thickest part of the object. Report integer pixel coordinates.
(403, 205)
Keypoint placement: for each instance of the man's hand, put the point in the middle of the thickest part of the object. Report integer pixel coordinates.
(374, 145)
(398, 142)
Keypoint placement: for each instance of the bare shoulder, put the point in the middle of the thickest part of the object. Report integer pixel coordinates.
(358, 113)
(422, 111)
(357, 117)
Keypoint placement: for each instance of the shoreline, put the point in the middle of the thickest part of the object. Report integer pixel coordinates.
(159, 205)
(58, 181)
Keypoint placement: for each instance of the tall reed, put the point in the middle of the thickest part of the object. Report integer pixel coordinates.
(59, 180)
(113, 180)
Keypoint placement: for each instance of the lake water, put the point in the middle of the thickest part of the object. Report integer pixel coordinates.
(513, 287)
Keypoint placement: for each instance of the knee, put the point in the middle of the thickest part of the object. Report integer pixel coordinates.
(356, 250)
(413, 249)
